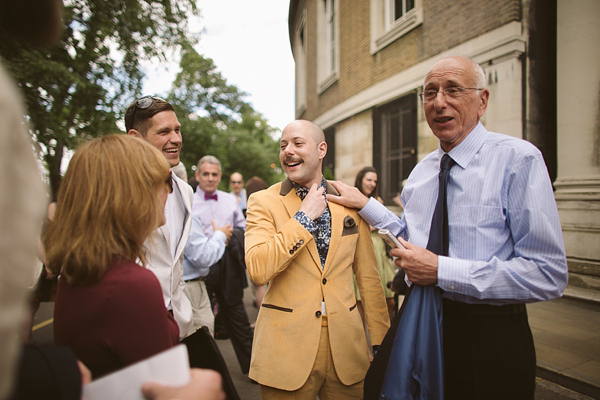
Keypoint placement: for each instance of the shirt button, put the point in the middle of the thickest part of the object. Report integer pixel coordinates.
(324, 281)
(318, 314)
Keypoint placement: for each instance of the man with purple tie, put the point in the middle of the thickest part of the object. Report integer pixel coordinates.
(213, 205)
(227, 277)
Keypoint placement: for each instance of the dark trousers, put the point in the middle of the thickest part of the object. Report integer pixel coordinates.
(236, 322)
(488, 353)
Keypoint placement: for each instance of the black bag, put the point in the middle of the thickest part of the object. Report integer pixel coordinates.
(204, 352)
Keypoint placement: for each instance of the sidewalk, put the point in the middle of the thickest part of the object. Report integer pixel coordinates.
(567, 342)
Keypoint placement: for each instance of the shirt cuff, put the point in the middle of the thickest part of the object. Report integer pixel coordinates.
(371, 212)
(306, 222)
(453, 274)
(220, 236)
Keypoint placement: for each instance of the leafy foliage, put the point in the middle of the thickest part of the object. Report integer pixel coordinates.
(216, 120)
(78, 89)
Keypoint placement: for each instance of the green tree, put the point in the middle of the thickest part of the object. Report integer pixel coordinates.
(217, 120)
(78, 89)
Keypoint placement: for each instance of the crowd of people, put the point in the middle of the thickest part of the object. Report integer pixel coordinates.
(143, 260)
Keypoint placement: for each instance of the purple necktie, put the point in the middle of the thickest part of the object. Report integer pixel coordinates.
(210, 196)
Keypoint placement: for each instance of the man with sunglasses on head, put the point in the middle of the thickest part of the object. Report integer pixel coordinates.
(154, 120)
(500, 237)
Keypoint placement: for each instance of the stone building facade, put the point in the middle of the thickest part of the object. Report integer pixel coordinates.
(359, 65)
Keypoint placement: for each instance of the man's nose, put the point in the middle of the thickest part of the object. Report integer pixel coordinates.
(175, 137)
(440, 100)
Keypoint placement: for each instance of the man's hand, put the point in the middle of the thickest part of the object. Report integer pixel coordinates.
(419, 264)
(204, 385)
(349, 196)
(227, 230)
(314, 203)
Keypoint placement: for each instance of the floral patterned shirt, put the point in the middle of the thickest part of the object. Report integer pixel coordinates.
(320, 228)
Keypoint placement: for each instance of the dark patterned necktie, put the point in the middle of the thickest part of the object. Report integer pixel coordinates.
(438, 234)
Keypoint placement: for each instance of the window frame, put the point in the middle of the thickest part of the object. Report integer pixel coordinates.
(385, 29)
(328, 44)
(300, 57)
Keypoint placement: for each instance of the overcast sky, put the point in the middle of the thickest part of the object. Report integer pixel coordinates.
(249, 43)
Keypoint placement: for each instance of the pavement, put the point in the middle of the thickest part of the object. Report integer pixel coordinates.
(566, 334)
(567, 342)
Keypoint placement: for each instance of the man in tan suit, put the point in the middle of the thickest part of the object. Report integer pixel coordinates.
(309, 337)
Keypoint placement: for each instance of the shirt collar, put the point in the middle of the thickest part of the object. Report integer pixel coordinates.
(468, 148)
(301, 191)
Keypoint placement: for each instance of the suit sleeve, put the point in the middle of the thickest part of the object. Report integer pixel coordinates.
(369, 285)
(270, 250)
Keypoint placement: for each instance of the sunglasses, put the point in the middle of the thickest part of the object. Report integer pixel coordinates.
(146, 101)
(169, 182)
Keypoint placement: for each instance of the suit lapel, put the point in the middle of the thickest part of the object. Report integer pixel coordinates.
(186, 217)
(338, 213)
(292, 203)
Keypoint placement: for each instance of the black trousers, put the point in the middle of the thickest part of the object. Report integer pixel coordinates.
(236, 322)
(488, 353)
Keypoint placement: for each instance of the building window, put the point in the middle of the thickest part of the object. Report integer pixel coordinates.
(395, 144)
(300, 58)
(327, 44)
(391, 19)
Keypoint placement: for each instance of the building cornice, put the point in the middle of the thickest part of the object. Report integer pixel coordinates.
(503, 43)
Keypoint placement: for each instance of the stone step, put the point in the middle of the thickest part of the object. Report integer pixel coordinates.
(591, 298)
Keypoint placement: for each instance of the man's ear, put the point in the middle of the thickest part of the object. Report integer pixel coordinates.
(135, 133)
(322, 148)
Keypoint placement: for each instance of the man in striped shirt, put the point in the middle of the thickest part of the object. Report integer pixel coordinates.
(505, 240)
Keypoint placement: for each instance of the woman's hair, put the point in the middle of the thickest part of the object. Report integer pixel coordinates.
(359, 178)
(254, 184)
(107, 205)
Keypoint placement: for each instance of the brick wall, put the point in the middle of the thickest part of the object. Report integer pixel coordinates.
(445, 24)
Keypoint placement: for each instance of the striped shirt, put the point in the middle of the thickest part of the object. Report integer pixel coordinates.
(506, 243)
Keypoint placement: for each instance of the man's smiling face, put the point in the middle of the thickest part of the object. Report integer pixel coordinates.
(164, 133)
(452, 119)
(300, 154)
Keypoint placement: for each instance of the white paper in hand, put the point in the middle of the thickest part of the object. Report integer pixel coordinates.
(171, 367)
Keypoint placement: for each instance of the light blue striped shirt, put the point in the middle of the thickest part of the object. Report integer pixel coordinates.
(506, 243)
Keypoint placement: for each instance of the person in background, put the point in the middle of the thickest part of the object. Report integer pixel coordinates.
(152, 119)
(505, 244)
(106, 303)
(236, 183)
(253, 185)
(227, 279)
(366, 182)
(309, 338)
(201, 252)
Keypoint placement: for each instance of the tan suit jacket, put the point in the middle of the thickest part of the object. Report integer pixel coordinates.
(167, 269)
(281, 252)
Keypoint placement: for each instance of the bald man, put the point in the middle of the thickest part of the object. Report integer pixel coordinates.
(309, 339)
(236, 182)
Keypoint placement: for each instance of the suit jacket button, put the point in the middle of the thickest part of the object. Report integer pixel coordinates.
(318, 314)
(301, 241)
(291, 251)
(324, 281)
